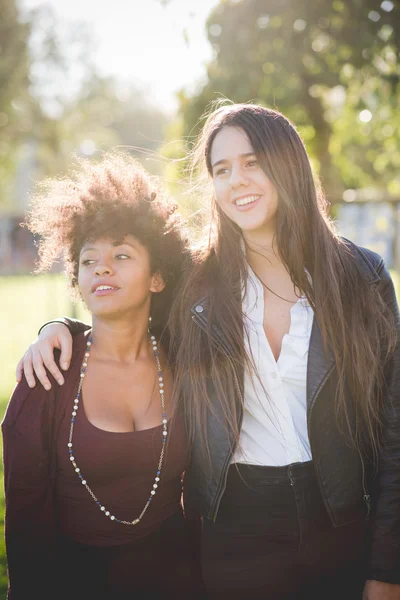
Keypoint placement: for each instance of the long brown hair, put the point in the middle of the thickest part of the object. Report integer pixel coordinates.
(354, 322)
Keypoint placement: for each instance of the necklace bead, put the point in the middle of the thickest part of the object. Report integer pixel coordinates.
(164, 423)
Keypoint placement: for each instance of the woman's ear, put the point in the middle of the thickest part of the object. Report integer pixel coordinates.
(157, 283)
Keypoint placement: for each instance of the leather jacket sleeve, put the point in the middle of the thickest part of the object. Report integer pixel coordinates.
(385, 544)
(73, 325)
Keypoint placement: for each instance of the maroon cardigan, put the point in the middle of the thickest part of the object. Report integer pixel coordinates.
(30, 428)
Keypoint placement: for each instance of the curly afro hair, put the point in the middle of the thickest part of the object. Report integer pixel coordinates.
(110, 199)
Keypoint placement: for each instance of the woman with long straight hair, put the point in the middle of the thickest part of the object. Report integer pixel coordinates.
(285, 340)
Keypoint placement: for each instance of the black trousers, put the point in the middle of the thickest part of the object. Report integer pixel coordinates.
(273, 540)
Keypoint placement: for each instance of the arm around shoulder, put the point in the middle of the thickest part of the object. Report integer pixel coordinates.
(74, 325)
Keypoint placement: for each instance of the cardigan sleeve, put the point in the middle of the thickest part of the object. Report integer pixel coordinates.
(30, 511)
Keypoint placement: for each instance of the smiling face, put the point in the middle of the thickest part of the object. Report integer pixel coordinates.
(242, 189)
(115, 278)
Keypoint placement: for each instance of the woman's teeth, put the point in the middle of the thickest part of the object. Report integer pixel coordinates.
(247, 200)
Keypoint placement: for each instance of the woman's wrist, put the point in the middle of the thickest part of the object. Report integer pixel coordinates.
(62, 320)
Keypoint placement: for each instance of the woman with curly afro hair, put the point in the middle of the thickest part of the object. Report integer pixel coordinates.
(93, 468)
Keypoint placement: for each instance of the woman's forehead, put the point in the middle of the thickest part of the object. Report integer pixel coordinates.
(107, 241)
(230, 143)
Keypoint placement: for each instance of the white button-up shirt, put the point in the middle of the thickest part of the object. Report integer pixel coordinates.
(274, 427)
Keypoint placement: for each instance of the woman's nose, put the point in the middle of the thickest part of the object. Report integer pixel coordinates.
(237, 178)
(103, 269)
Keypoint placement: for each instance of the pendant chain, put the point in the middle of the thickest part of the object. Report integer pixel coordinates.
(77, 401)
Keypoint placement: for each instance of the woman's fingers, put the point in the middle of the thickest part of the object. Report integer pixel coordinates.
(65, 339)
(38, 367)
(28, 368)
(19, 371)
(46, 359)
(40, 356)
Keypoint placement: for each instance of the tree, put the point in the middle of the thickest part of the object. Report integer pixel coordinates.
(14, 77)
(322, 64)
(14, 60)
(102, 115)
(47, 113)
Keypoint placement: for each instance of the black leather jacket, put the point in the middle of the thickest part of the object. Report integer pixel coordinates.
(347, 482)
(344, 474)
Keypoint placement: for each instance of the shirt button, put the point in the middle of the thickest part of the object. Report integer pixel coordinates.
(199, 308)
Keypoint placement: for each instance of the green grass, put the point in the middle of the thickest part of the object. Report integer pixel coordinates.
(27, 303)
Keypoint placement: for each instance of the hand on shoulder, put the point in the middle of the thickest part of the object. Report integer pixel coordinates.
(40, 356)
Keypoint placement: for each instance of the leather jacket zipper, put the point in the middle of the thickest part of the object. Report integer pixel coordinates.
(366, 497)
(224, 476)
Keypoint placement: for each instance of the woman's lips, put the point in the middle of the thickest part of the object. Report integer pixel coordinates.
(246, 203)
(104, 291)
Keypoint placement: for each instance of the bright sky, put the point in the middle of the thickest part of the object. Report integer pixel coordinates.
(142, 41)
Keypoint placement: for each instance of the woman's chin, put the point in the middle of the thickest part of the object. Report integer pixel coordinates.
(257, 228)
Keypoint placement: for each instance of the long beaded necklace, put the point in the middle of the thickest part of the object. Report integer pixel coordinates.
(102, 508)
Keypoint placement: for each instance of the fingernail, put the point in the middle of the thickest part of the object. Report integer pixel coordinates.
(64, 366)
(60, 381)
(47, 386)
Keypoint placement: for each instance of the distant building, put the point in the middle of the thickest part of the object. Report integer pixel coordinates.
(17, 249)
(372, 224)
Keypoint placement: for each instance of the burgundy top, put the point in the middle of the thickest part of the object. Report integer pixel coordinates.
(120, 467)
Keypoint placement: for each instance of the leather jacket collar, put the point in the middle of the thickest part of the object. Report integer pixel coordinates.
(320, 360)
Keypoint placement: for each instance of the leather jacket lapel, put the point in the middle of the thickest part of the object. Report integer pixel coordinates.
(321, 361)
(200, 316)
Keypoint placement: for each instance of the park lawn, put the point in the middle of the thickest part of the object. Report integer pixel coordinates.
(27, 303)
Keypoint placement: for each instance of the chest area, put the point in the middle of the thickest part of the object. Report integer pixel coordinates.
(276, 322)
(278, 364)
(278, 326)
(124, 398)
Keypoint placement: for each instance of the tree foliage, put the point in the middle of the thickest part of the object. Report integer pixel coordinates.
(14, 77)
(53, 102)
(102, 116)
(332, 67)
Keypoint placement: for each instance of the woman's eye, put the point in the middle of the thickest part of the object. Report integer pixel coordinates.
(221, 171)
(122, 256)
(87, 261)
(252, 163)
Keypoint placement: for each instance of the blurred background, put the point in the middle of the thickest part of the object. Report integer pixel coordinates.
(79, 77)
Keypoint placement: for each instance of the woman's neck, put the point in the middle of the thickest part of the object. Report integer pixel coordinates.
(262, 253)
(124, 341)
